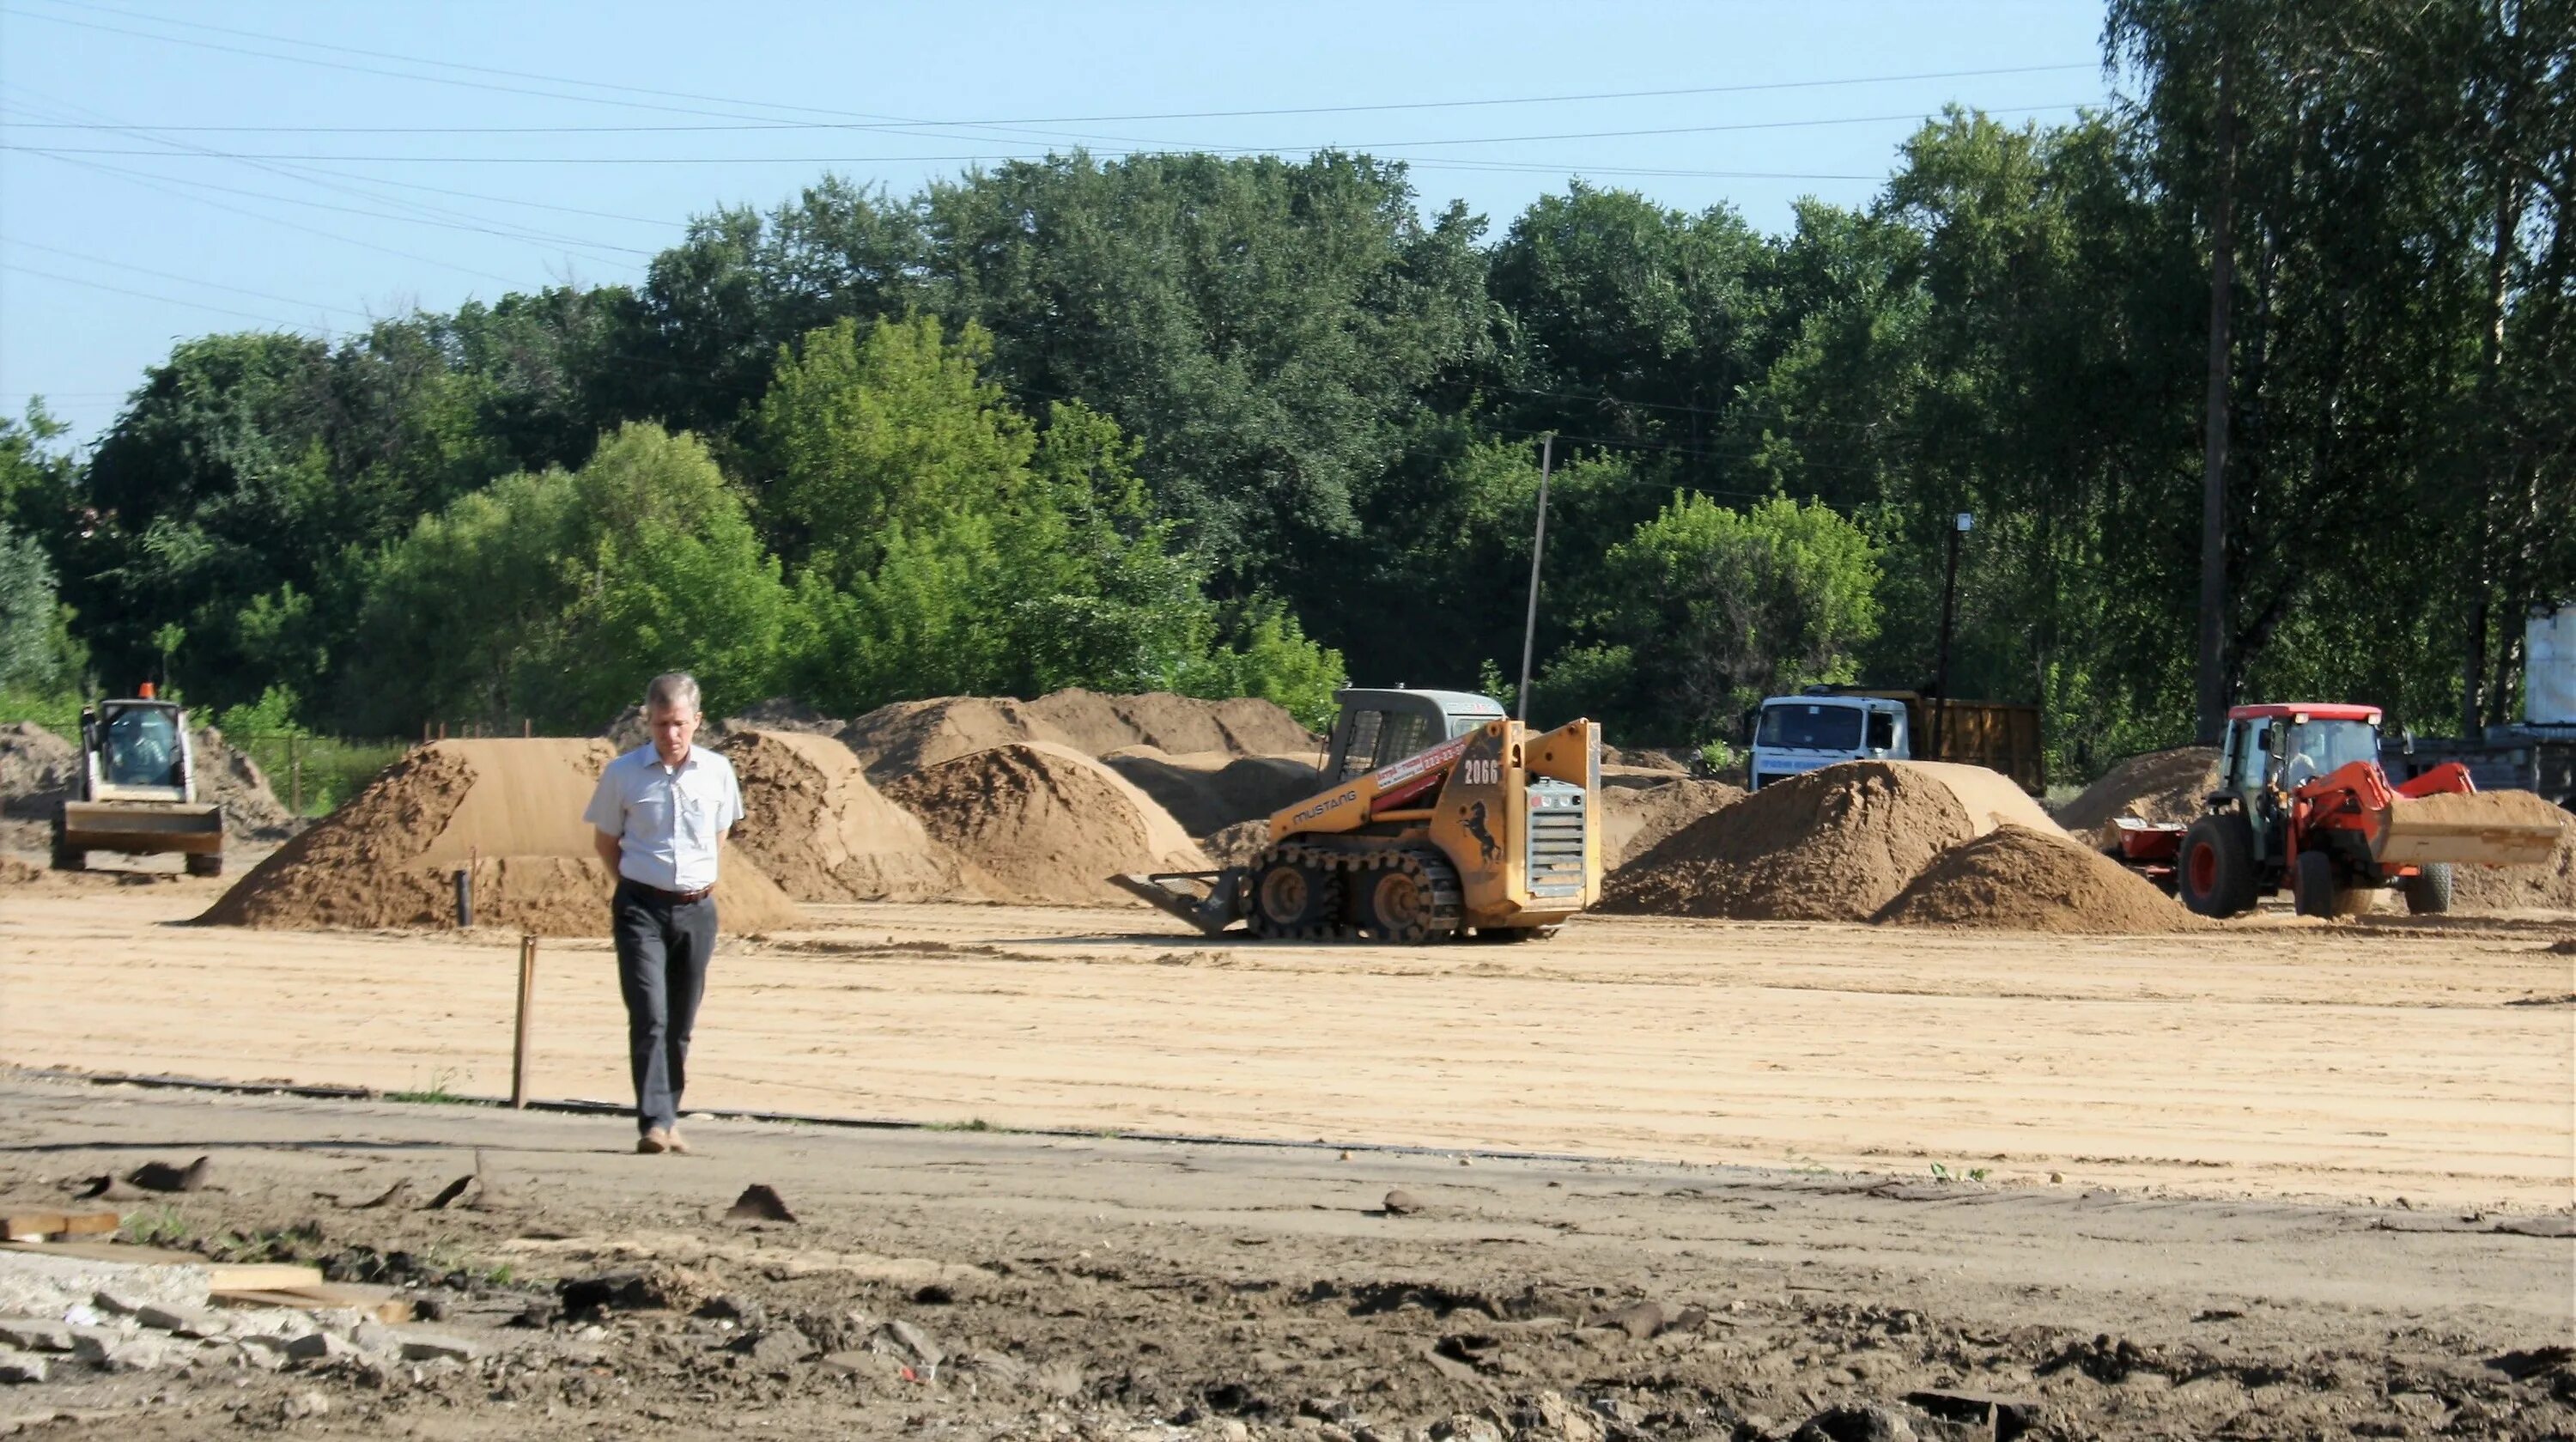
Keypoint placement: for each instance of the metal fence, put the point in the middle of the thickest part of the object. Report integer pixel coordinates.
(313, 775)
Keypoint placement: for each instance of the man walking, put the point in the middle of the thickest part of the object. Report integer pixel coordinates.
(660, 811)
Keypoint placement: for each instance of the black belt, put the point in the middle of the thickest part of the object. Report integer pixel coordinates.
(675, 898)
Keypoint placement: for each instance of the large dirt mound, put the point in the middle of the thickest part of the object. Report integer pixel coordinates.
(812, 821)
(510, 811)
(1035, 821)
(2549, 887)
(1637, 818)
(1208, 791)
(1833, 845)
(252, 811)
(2016, 879)
(912, 735)
(2158, 786)
(37, 769)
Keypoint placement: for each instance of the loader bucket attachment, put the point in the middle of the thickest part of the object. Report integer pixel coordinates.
(139, 828)
(1211, 911)
(2470, 828)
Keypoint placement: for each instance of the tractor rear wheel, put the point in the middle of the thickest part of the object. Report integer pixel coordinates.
(2216, 875)
(2428, 891)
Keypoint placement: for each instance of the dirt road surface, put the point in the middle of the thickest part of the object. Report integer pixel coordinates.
(2284, 1059)
(979, 1284)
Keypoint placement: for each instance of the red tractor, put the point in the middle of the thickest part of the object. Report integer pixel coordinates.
(2301, 803)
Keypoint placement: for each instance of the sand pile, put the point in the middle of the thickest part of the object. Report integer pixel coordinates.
(252, 812)
(510, 811)
(37, 769)
(816, 826)
(912, 735)
(1833, 845)
(1208, 791)
(14, 872)
(1036, 821)
(2550, 887)
(2017, 879)
(2158, 786)
(1637, 818)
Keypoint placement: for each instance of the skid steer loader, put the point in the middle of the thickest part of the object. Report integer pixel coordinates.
(2302, 803)
(1442, 818)
(138, 792)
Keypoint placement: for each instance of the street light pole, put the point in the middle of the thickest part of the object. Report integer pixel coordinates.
(1960, 525)
(1538, 548)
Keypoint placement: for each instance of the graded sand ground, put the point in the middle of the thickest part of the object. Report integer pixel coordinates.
(2272, 1056)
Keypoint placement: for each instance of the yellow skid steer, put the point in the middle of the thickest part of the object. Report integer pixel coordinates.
(1442, 818)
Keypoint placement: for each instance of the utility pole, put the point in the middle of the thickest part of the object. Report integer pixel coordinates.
(2213, 464)
(1538, 547)
(1960, 525)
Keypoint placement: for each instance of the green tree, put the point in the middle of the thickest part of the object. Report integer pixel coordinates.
(949, 546)
(555, 596)
(1705, 610)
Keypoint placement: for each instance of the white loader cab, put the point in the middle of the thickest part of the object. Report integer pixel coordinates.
(1798, 734)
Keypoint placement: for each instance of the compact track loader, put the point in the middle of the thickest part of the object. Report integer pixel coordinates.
(138, 790)
(1443, 818)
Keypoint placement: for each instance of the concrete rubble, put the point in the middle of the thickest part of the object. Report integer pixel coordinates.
(67, 1314)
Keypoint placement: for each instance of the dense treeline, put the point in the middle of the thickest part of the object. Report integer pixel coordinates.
(1233, 424)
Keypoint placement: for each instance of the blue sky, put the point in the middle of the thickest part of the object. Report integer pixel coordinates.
(306, 165)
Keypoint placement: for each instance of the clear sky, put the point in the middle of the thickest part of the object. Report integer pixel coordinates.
(172, 169)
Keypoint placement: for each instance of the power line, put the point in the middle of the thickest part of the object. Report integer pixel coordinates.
(147, 295)
(884, 120)
(352, 210)
(182, 279)
(945, 159)
(147, 182)
(794, 125)
(351, 185)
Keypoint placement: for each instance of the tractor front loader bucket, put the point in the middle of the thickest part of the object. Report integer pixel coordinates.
(1211, 911)
(2474, 829)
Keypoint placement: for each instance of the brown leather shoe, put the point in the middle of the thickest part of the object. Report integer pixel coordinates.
(655, 1142)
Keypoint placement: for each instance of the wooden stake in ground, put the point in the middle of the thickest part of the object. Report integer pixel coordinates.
(519, 1043)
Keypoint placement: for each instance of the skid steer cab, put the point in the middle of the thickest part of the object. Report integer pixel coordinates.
(2302, 804)
(138, 792)
(1440, 819)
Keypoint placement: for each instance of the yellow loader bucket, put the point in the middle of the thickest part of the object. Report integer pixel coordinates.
(142, 827)
(2489, 829)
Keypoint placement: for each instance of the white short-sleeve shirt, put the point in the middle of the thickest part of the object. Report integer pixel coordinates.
(668, 819)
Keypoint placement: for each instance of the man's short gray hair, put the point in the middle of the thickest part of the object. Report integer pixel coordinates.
(672, 691)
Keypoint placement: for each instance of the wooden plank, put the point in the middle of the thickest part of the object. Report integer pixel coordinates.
(226, 1276)
(35, 1226)
(382, 1303)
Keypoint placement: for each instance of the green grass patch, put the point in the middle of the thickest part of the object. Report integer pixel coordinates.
(441, 1092)
(157, 1226)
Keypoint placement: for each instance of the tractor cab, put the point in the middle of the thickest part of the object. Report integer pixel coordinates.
(1379, 727)
(2270, 751)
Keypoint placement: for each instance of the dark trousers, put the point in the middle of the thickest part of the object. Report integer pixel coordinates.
(662, 951)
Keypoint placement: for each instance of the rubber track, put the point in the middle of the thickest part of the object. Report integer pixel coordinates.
(1430, 868)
